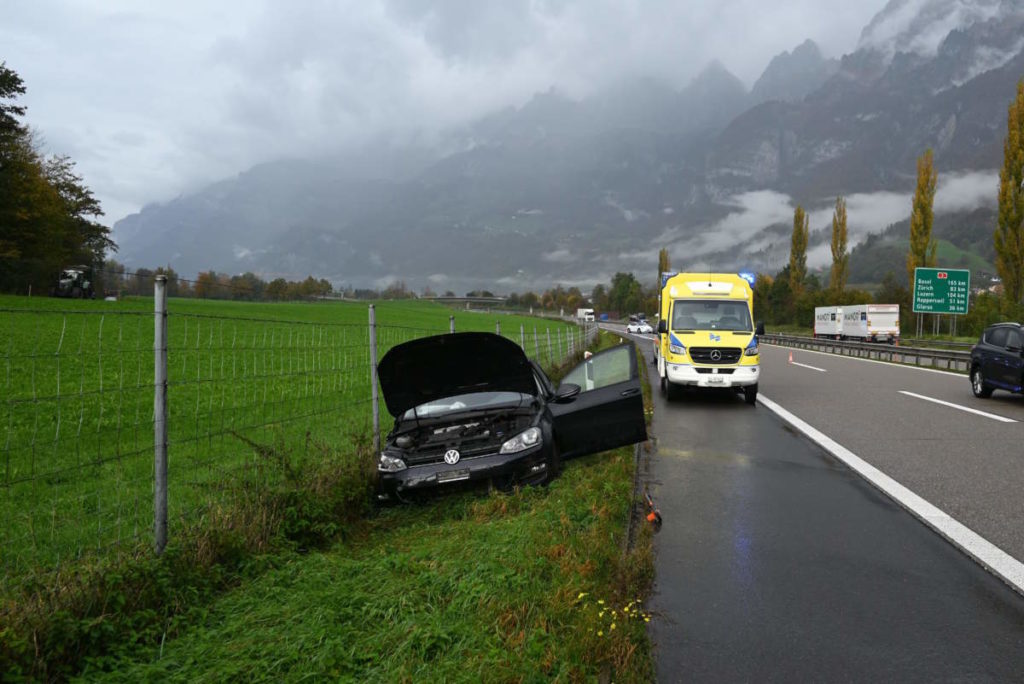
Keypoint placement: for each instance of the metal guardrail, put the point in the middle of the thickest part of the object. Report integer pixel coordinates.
(944, 359)
(948, 344)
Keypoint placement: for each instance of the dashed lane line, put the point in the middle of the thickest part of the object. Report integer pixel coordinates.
(908, 366)
(804, 365)
(993, 416)
(987, 554)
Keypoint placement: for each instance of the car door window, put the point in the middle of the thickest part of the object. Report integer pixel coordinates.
(1013, 340)
(601, 370)
(997, 337)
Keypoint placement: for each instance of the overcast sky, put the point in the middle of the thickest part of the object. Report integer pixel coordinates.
(155, 99)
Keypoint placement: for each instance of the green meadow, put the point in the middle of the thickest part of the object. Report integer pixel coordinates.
(246, 381)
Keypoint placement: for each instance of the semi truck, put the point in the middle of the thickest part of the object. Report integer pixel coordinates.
(586, 315)
(706, 333)
(872, 322)
(864, 322)
(828, 322)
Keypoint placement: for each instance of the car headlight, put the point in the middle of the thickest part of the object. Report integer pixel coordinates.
(390, 464)
(677, 349)
(524, 440)
(752, 351)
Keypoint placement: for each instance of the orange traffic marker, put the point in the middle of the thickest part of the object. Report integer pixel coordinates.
(791, 357)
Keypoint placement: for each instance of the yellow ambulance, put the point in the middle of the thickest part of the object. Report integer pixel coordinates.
(706, 333)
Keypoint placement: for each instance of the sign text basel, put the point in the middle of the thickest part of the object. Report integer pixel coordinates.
(941, 290)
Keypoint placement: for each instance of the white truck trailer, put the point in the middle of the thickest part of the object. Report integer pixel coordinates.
(871, 323)
(828, 322)
(585, 315)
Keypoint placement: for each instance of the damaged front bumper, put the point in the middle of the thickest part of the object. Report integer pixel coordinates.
(527, 465)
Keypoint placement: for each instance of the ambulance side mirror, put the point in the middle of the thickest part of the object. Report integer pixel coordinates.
(760, 329)
(662, 327)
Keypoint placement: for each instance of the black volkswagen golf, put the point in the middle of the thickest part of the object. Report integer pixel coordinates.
(997, 361)
(472, 407)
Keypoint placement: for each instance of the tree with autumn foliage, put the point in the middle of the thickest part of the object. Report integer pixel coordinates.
(1009, 235)
(840, 257)
(922, 245)
(48, 218)
(798, 251)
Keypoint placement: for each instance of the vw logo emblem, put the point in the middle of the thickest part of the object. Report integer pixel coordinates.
(451, 457)
(715, 356)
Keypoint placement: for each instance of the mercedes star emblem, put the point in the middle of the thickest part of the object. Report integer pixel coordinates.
(451, 457)
(715, 356)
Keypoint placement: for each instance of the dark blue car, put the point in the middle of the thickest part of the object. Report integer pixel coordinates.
(997, 361)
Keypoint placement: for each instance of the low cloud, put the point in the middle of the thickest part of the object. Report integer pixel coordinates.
(743, 229)
(559, 256)
(751, 213)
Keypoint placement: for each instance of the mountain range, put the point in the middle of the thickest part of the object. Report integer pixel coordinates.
(572, 190)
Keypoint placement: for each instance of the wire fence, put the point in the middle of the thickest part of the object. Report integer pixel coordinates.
(80, 408)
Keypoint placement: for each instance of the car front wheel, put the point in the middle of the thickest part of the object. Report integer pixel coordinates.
(978, 384)
(750, 394)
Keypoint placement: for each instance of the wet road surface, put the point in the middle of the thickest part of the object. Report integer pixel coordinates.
(971, 465)
(777, 563)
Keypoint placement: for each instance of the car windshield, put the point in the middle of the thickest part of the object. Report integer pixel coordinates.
(711, 315)
(466, 402)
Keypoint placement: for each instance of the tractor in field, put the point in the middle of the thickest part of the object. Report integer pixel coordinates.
(77, 282)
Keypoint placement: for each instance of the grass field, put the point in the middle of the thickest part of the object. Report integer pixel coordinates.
(529, 586)
(76, 421)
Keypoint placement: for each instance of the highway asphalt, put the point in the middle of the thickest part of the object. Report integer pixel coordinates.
(778, 563)
(968, 464)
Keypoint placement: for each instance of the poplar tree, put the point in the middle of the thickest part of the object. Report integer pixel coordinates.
(922, 246)
(840, 257)
(663, 264)
(798, 250)
(1009, 235)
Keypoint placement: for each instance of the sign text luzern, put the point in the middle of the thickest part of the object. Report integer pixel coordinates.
(941, 290)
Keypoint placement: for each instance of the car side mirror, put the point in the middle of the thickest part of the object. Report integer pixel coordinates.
(760, 329)
(1015, 350)
(662, 327)
(567, 392)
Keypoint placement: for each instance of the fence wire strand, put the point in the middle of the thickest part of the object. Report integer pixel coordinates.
(77, 421)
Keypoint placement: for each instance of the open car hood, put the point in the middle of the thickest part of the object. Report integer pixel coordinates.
(442, 366)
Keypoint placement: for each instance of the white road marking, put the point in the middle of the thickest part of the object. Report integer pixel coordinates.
(958, 406)
(987, 554)
(962, 376)
(804, 365)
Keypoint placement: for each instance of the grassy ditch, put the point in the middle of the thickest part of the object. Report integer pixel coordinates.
(519, 587)
(60, 624)
(304, 579)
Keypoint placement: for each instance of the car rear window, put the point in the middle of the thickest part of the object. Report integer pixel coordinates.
(996, 336)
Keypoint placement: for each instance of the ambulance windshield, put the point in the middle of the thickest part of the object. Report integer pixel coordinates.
(711, 315)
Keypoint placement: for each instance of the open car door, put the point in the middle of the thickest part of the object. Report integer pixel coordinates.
(609, 410)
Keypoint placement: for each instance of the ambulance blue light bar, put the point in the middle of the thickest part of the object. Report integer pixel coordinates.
(749, 277)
